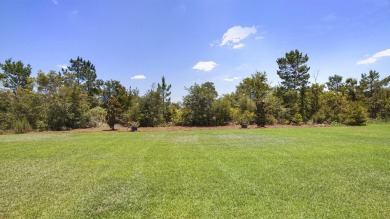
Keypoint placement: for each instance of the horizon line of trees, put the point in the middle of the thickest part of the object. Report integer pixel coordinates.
(75, 98)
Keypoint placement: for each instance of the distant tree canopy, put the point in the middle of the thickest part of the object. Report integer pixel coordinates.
(75, 98)
(197, 105)
(15, 75)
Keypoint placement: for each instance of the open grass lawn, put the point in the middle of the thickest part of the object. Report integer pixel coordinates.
(338, 172)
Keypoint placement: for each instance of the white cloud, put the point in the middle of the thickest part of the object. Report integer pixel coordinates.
(366, 61)
(234, 35)
(64, 66)
(231, 79)
(375, 57)
(383, 53)
(138, 77)
(238, 46)
(54, 2)
(205, 66)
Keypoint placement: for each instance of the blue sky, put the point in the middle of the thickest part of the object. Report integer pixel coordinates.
(188, 41)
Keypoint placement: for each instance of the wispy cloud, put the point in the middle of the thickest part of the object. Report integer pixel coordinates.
(54, 2)
(231, 79)
(138, 77)
(64, 66)
(235, 35)
(375, 57)
(238, 46)
(205, 66)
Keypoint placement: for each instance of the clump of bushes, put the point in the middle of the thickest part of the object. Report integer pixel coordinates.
(357, 115)
(22, 126)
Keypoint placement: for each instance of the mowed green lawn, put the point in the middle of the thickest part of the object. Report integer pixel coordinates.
(338, 172)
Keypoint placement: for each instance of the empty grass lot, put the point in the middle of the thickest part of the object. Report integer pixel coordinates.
(337, 172)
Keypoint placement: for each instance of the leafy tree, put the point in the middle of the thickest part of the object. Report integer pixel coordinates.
(256, 88)
(113, 88)
(373, 90)
(98, 116)
(335, 83)
(276, 112)
(49, 83)
(113, 112)
(356, 115)
(369, 82)
(15, 75)
(6, 113)
(315, 94)
(334, 108)
(295, 77)
(197, 105)
(83, 72)
(151, 109)
(222, 110)
(165, 92)
(293, 70)
(351, 89)
(261, 117)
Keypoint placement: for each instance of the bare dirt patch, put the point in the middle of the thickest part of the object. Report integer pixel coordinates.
(119, 128)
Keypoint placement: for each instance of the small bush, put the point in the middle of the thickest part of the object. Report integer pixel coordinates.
(2, 132)
(22, 126)
(41, 126)
(297, 119)
(357, 116)
(271, 120)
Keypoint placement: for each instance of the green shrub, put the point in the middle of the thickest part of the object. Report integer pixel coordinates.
(41, 126)
(297, 119)
(271, 120)
(22, 126)
(2, 132)
(357, 115)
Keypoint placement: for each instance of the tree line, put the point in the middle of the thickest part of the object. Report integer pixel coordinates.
(75, 98)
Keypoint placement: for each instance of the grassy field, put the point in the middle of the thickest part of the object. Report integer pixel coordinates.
(338, 172)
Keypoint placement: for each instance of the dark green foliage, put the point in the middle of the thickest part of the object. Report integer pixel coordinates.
(83, 73)
(351, 89)
(295, 77)
(15, 75)
(335, 83)
(6, 114)
(222, 111)
(113, 88)
(165, 94)
(197, 105)
(151, 109)
(256, 89)
(315, 93)
(73, 98)
(113, 112)
(261, 116)
(293, 70)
